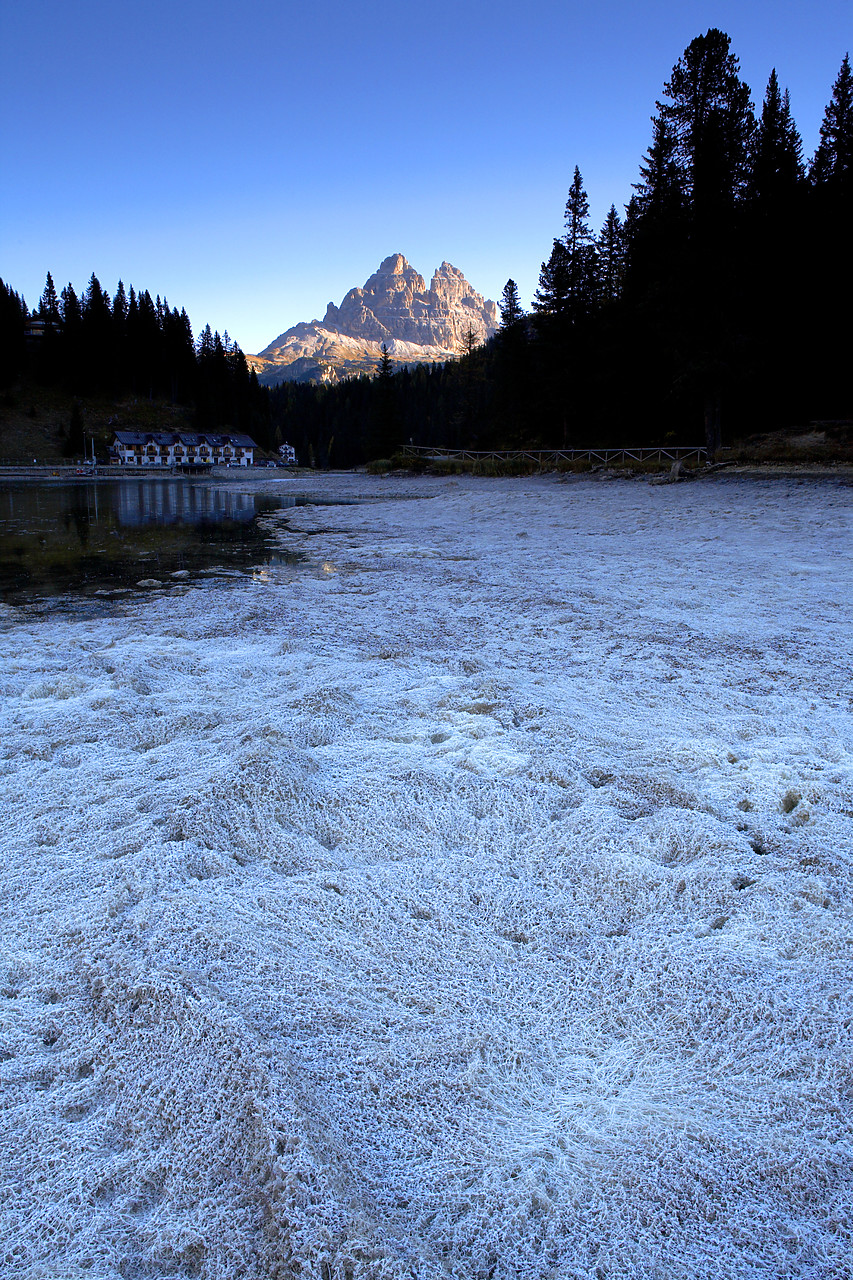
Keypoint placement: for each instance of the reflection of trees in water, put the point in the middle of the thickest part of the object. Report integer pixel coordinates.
(110, 534)
(79, 516)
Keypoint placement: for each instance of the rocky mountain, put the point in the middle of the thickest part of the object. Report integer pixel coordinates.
(395, 307)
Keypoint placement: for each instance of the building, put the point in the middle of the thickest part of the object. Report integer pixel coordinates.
(182, 449)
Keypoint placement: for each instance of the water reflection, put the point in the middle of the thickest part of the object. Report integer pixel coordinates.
(180, 502)
(96, 535)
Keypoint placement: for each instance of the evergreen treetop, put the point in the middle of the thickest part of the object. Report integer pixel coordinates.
(777, 163)
(710, 115)
(833, 160)
(510, 306)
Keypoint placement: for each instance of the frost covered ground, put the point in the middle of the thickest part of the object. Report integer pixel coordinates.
(472, 902)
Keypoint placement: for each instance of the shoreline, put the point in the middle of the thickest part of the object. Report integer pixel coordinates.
(261, 475)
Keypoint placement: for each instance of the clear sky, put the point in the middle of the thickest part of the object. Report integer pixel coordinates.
(252, 161)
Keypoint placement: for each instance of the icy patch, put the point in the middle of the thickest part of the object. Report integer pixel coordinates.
(480, 907)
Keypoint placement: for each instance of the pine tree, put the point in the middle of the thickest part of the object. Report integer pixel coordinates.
(48, 362)
(72, 312)
(120, 304)
(96, 337)
(660, 193)
(578, 233)
(510, 306)
(13, 316)
(550, 302)
(49, 304)
(611, 253)
(147, 345)
(384, 369)
(777, 164)
(580, 243)
(179, 355)
(711, 120)
(510, 370)
(205, 344)
(833, 160)
(382, 437)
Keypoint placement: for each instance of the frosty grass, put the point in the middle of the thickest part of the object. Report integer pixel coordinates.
(472, 902)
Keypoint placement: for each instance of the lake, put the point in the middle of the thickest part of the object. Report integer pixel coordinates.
(99, 536)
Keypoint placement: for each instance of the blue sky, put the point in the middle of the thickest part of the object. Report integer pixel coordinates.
(253, 161)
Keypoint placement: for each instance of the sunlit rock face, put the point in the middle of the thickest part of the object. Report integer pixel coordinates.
(417, 324)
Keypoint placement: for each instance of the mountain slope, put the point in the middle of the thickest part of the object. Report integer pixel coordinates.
(395, 307)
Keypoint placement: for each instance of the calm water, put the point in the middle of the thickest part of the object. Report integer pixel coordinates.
(88, 537)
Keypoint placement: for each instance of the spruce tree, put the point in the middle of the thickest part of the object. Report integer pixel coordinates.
(580, 243)
(97, 330)
(13, 316)
(510, 306)
(147, 345)
(120, 304)
(49, 304)
(710, 115)
(551, 299)
(384, 368)
(510, 371)
(611, 252)
(660, 191)
(830, 277)
(833, 160)
(578, 233)
(382, 437)
(119, 338)
(48, 364)
(777, 164)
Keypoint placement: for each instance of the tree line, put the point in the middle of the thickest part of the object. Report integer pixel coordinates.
(130, 345)
(717, 303)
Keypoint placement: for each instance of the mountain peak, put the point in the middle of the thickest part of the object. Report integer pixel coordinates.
(418, 325)
(394, 265)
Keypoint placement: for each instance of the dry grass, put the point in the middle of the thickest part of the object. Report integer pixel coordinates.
(34, 421)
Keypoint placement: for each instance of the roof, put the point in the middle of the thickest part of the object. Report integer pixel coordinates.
(190, 438)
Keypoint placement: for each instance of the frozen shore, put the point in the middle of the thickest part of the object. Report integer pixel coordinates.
(473, 902)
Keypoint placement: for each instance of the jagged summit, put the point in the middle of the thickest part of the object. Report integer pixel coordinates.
(394, 306)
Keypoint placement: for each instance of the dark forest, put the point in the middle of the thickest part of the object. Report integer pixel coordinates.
(717, 303)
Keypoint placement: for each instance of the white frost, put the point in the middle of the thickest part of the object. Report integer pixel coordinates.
(473, 903)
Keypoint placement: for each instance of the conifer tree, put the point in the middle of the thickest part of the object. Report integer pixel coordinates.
(510, 369)
(833, 160)
(382, 434)
(551, 299)
(580, 243)
(120, 304)
(13, 315)
(147, 345)
(118, 353)
(384, 369)
(777, 164)
(578, 233)
(660, 192)
(49, 304)
(710, 115)
(49, 358)
(510, 306)
(72, 312)
(611, 252)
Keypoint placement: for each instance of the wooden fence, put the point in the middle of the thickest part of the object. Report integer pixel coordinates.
(553, 459)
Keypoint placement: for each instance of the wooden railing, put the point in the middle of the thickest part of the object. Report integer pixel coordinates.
(549, 459)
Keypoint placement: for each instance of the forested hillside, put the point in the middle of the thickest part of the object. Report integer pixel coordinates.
(130, 350)
(716, 304)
